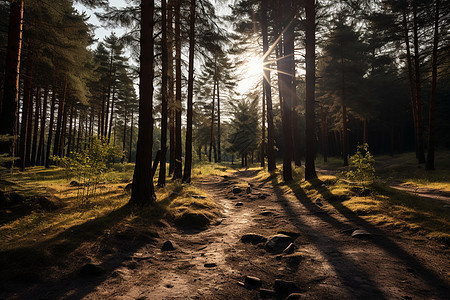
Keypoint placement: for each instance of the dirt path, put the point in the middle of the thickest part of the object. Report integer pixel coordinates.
(423, 192)
(327, 263)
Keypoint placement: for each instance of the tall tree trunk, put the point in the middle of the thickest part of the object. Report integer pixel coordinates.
(287, 89)
(324, 129)
(432, 108)
(26, 111)
(40, 154)
(70, 135)
(188, 151)
(61, 105)
(410, 78)
(9, 104)
(36, 126)
(263, 129)
(170, 85)
(419, 105)
(50, 127)
(143, 190)
(219, 133)
(178, 170)
(108, 97)
(271, 163)
(131, 137)
(344, 134)
(211, 127)
(62, 140)
(164, 100)
(124, 135)
(112, 114)
(102, 119)
(310, 130)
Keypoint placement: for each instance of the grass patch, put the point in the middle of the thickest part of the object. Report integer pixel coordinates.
(34, 238)
(378, 203)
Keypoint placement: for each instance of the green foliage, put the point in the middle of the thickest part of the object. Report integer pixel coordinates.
(361, 168)
(89, 167)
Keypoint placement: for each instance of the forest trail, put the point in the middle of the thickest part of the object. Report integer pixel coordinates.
(212, 264)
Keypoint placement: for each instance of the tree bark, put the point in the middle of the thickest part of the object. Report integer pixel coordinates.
(287, 90)
(188, 151)
(9, 104)
(211, 127)
(112, 114)
(71, 129)
(143, 190)
(164, 100)
(40, 154)
(131, 137)
(271, 163)
(219, 133)
(170, 85)
(178, 169)
(59, 121)
(36, 126)
(419, 105)
(50, 128)
(26, 120)
(432, 108)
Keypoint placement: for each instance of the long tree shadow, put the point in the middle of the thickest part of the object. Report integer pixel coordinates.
(432, 279)
(346, 269)
(25, 267)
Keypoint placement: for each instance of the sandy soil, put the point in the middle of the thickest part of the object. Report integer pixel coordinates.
(211, 264)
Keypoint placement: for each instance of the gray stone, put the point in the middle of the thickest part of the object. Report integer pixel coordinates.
(285, 287)
(168, 246)
(252, 282)
(277, 243)
(361, 234)
(253, 238)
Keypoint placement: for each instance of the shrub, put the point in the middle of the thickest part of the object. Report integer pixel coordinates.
(361, 168)
(89, 167)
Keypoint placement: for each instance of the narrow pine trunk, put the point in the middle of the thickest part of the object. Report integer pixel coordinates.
(26, 112)
(170, 85)
(59, 121)
(344, 135)
(124, 135)
(188, 151)
(143, 190)
(50, 128)
(164, 100)
(211, 126)
(324, 129)
(131, 138)
(9, 104)
(177, 173)
(112, 113)
(40, 153)
(70, 135)
(219, 133)
(286, 69)
(271, 164)
(417, 84)
(36, 126)
(432, 108)
(263, 129)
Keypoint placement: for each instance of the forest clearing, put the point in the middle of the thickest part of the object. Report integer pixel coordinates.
(224, 149)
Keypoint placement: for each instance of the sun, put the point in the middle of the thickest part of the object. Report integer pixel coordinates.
(254, 67)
